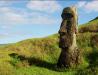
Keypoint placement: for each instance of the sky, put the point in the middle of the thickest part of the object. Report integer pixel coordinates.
(23, 19)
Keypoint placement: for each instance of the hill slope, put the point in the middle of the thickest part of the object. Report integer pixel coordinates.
(39, 56)
(91, 26)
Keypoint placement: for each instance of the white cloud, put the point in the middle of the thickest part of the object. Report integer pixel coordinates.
(45, 20)
(81, 3)
(10, 17)
(89, 6)
(17, 16)
(4, 3)
(92, 6)
(3, 35)
(4, 27)
(44, 6)
(14, 18)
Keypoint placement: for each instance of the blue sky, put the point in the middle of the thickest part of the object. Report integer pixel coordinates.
(21, 20)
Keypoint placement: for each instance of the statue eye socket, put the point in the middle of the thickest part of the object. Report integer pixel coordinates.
(67, 15)
(62, 33)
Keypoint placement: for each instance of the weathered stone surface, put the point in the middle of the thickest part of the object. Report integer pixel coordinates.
(67, 41)
(68, 27)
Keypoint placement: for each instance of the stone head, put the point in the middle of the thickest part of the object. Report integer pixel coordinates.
(68, 13)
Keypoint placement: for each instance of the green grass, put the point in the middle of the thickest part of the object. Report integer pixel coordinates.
(91, 26)
(38, 56)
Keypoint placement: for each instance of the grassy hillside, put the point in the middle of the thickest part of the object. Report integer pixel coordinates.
(91, 26)
(38, 56)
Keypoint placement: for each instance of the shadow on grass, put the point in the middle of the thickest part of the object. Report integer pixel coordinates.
(93, 59)
(92, 69)
(36, 62)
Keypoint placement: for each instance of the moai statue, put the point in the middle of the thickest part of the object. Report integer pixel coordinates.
(67, 42)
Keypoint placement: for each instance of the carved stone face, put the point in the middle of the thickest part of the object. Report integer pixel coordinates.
(67, 28)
